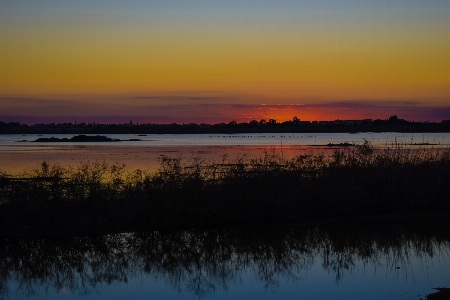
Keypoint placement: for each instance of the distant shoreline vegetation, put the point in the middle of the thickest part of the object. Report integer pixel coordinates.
(97, 198)
(393, 124)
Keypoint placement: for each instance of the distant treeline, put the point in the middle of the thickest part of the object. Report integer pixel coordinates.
(97, 198)
(393, 124)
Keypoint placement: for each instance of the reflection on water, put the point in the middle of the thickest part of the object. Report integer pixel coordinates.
(213, 262)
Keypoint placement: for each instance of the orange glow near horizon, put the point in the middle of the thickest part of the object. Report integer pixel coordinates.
(94, 62)
(288, 112)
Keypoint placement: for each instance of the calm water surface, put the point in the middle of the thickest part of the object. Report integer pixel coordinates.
(12, 142)
(374, 261)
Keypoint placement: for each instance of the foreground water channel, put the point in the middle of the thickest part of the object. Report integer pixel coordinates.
(385, 259)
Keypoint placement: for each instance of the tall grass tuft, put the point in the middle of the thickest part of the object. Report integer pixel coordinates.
(95, 197)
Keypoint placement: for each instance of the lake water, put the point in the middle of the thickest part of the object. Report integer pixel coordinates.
(20, 152)
(11, 142)
(381, 261)
(384, 260)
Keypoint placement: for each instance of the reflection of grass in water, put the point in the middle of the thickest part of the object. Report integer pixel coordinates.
(96, 198)
(202, 262)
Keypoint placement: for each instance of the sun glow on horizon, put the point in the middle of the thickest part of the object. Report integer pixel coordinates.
(280, 53)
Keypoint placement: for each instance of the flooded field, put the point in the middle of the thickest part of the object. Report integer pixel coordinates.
(392, 258)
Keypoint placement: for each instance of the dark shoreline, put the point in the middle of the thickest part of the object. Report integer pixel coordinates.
(233, 129)
(441, 294)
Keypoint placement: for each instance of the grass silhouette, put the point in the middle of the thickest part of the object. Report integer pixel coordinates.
(97, 198)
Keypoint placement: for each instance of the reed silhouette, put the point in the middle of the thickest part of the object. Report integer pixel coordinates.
(97, 198)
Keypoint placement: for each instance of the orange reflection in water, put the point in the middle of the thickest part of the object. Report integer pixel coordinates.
(144, 158)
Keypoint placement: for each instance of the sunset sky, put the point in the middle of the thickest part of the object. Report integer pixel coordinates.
(213, 61)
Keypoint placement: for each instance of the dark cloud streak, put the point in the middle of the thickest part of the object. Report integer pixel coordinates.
(201, 108)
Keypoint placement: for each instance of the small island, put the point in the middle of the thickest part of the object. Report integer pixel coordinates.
(82, 139)
(345, 144)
